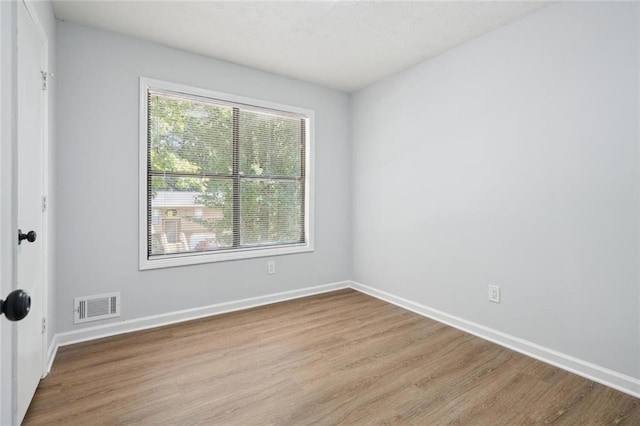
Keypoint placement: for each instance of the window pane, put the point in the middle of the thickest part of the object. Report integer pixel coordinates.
(193, 214)
(271, 212)
(270, 145)
(189, 136)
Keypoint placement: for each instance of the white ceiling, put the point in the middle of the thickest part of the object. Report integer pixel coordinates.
(345, 45)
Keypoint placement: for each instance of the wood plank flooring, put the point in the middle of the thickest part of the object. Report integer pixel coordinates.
(337, 358)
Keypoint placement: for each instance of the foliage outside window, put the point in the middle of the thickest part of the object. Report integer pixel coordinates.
(227, 176)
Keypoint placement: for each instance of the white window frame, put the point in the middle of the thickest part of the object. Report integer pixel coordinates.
(182, 259)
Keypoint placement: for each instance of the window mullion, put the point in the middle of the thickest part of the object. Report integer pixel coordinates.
(236, 177)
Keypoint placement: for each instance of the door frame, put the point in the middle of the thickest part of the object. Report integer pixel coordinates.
(6, 284)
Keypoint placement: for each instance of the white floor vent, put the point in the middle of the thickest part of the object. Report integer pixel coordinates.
(97, 307)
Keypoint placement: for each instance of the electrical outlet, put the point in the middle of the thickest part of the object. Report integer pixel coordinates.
(271, 267)
(494, 293)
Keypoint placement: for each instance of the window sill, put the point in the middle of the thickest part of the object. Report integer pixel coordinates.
(172, 260)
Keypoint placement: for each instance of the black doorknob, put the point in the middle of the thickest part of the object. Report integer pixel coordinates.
(16, 306)
(29, 236)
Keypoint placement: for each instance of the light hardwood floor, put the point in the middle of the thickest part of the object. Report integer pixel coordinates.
(336, 358)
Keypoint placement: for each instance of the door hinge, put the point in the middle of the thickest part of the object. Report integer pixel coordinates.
(45, 77)
(44, 203)
(44, 325)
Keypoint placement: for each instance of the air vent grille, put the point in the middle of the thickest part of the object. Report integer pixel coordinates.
(97, 307)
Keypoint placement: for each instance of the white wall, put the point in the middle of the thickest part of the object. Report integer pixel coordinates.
(97, 161)
(512, 160)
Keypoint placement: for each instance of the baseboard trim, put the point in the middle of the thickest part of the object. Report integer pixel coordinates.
(599, 374)
(51, 353)
(128, 326)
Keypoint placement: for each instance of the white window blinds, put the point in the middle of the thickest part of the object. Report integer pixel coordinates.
(222, 176)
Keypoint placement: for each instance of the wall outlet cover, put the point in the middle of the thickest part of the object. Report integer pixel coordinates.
(494, 293)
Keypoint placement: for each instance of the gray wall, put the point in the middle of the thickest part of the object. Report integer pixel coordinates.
(511, 160)
(97, 159)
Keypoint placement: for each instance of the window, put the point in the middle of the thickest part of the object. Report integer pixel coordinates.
(221, 177)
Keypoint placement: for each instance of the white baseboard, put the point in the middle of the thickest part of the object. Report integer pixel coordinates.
(51, 353)
(605, 376)
(128, 326)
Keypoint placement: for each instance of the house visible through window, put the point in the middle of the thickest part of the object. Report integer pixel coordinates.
(225, 177)
(171, 229)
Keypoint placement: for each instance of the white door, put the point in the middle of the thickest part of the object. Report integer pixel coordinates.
(30, 183)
